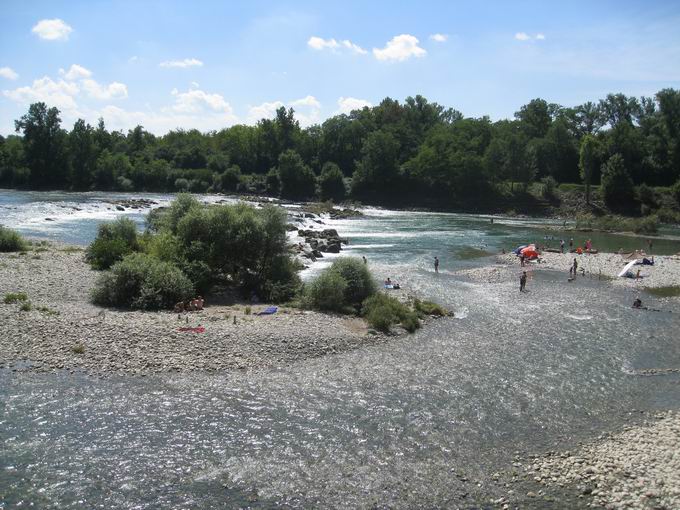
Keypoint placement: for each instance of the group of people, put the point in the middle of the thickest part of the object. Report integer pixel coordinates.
(193, 305)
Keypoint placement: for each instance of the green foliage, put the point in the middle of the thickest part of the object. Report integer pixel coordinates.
(613, 223)
(331, 183)
(587, 162)
(617, 186)
(10, 241)
(297, 179)
(548, 187)
(675, 191)
(327, 292)
(382, 312)
(360, 283)
(78, 349)
(429, 308)
(15, 297)
(114, 241)
(646, 195)
(230, 178)
(26, 306)
(144, 282)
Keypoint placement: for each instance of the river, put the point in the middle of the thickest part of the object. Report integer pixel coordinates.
(423, 421)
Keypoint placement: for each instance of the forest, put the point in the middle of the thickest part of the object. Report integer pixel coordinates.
(410, 153)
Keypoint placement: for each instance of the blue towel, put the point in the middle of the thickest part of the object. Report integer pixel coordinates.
(268, 311)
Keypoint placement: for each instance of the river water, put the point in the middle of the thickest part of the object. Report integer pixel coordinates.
(423, 421)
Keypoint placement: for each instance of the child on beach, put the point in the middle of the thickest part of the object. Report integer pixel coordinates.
(523, 281)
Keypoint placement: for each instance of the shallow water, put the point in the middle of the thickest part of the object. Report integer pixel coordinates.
(380, 426)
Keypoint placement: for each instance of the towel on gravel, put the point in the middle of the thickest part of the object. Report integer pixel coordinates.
(199, 329)
(268, 311)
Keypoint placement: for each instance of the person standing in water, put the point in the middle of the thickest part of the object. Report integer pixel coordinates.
(436, 265)
(571, 243)
(365, 261)
(562, 245)
(523, 281)
(575, 266)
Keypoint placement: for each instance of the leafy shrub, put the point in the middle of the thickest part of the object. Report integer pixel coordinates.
(646, 225)
(382, 312)
(11, 240)
(26, 306)
(429, 308)
(272, 182)
(360, 284)
(114, 241)
(675, 191)
(548, 187)
(327, 292)
(646, 195)
(15, 297)
(331, 183)
(144, 282)
(230, 178)
(667, 215)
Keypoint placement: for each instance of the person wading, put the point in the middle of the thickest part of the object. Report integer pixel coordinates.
(523, 281)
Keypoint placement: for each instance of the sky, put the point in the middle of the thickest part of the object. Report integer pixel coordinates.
(212, 64)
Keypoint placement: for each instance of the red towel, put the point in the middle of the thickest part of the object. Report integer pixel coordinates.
(199, 329)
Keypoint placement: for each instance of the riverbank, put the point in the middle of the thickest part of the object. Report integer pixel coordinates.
(64, 331)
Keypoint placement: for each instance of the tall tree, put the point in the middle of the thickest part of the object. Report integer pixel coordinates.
(83, 154)
(44, 145)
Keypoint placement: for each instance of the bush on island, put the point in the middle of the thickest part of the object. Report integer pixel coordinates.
(327, 292)
(10, 240)
(144, 282)
(382, 312)
(114, 241)
(360, 283)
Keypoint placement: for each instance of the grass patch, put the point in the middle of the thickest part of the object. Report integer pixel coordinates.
(669, 291)
(36, 257)
(78, 349)
(71, 249)
(248, 310)
(423, 308)
(11, 240)
(26, 306)
(40, 249)
(46, 310)
(15, 297)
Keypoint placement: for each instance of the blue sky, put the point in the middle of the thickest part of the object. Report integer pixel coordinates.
(209, 64)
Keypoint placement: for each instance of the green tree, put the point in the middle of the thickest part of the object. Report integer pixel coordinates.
(297, 179)
(587, 162)
(83, 154)
(617, 186)
(378, 170)
(535, 118)
(44, 145)
(331, 183)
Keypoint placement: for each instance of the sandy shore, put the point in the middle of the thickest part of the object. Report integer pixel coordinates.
(147, 342)
(665, 271)
(638, 467)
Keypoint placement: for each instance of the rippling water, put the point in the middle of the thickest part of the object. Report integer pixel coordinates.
(380, 426)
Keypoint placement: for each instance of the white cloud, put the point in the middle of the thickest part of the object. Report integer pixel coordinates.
(52, 29)
(263, 111)
(400, 48)
(187, 62)
(195, 101)
(114, 90)
(310, 101)
(9, 73)
(75, 72)
(348, 104)
(54, 93)
(319, 44)
(439, 37)
(523, 36)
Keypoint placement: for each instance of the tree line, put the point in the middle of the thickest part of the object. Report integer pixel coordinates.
(416, 152)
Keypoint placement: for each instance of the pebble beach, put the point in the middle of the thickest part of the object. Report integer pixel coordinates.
(64, 331)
